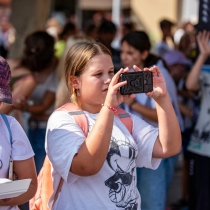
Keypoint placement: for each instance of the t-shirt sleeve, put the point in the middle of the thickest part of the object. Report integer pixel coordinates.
(145, 136)
(21, 147)
(63, 140)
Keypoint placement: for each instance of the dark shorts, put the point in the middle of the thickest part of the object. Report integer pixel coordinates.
(199, 182)
(185, 141)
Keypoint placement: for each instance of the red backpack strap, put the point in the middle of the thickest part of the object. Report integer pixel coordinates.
(81, 119)
(77, 114)
(125, 118)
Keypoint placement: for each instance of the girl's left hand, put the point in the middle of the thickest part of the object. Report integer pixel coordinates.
(159, 84)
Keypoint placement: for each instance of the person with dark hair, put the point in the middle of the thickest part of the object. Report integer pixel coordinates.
(38, 55)
(69, 29)
(33, 84)
(106, 34)
(199, 80)
(91, 29)
(127, 27)
(163, 47)
(153, 185)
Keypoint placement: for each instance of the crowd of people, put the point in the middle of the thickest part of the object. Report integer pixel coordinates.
(108, 166)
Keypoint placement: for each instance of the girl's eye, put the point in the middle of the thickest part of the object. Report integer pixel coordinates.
(98, 74)
(111, 72)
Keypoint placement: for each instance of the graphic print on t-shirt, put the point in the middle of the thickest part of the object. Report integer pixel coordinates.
(121, 159)
(200, 139)
(202, 133)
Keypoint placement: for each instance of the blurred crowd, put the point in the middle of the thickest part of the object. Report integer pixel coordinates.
(38, 88)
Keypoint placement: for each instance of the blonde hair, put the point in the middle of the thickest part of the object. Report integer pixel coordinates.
(76, 61)
(62, 93)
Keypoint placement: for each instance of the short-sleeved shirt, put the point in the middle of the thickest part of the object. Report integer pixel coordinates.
(114, 186)
(50, 84)
(200, 139)
(20, 149)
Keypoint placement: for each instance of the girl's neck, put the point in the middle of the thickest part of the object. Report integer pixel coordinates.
(94, 109)
(141, 65)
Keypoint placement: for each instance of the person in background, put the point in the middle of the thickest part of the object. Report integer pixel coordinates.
(91, 29)
(199, 145)
(102, 165)
(163, 46)
(68, 30)
(106, 34)
(127, 27)
(187, 46)
(185, 27)
(37, 57)
(20, 151)
(152, 185)
(7, 36)
(40, 103)
(179, 67)
(53, 27)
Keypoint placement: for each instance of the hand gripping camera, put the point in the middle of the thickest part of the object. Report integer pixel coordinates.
(137, 82)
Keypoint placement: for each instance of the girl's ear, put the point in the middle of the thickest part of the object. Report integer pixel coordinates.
(74, 82)
(145, 54)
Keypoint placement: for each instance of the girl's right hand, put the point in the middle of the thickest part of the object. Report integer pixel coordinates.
(114, 98)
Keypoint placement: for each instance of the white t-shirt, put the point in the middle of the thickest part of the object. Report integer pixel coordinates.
(50, 84)
(20, 149)
(114, 186)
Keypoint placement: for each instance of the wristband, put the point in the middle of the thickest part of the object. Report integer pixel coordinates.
(114, 109)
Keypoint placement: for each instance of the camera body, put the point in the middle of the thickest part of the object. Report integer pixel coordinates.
(137, 82)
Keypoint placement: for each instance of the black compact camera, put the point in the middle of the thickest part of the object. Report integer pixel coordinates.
(137, 82)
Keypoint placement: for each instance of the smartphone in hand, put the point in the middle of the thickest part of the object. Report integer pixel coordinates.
(137, 82)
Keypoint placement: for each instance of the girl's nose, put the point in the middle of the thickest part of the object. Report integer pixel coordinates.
(107, 81)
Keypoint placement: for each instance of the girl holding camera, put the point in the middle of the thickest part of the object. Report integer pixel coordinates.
(100, 168)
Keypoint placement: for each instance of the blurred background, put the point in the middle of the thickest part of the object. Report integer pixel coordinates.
(19, 18)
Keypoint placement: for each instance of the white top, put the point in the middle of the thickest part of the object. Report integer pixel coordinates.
(50, 84)
(200, 139)
(20, 149)
(114, 187)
